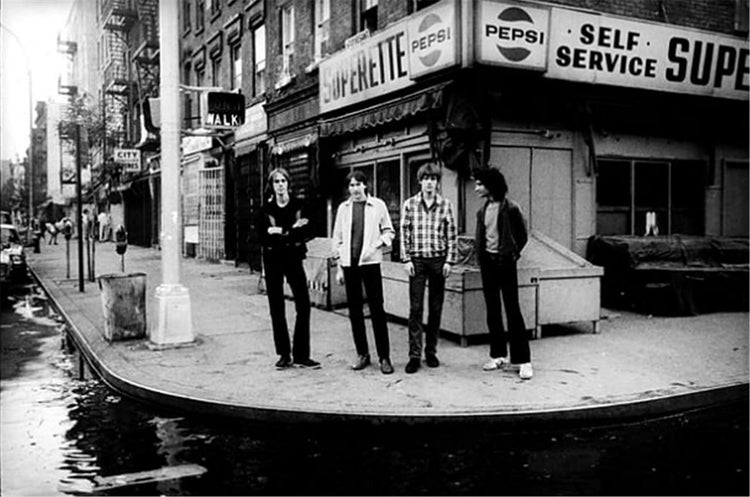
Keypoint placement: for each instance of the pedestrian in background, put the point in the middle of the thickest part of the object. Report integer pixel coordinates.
(500, 237)
(284, 230)
(428, 250)
(362, 229)
(104, 226)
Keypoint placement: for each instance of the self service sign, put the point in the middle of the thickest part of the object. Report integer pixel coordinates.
(512, 35)
(601, 49)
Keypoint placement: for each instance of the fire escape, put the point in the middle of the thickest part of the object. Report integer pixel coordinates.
(131, 74)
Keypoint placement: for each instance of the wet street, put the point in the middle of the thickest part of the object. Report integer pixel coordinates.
(65, 433)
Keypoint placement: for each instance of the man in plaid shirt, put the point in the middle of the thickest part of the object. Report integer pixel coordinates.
(428, 249)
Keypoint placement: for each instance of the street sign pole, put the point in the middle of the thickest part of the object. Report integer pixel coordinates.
(174, 324)
(79, 202)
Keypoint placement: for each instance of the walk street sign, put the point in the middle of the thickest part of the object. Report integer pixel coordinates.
(128, 157)
(223, 110)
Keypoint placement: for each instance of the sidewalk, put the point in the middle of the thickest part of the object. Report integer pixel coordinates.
(636, 366)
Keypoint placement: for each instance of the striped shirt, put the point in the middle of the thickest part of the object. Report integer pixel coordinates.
(428, 232)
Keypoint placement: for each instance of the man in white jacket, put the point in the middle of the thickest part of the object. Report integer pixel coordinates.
(362, 229)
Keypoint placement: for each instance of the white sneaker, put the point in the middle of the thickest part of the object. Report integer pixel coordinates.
(496, 363)
(525, 372)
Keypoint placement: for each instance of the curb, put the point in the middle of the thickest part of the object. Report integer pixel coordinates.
(619, 412)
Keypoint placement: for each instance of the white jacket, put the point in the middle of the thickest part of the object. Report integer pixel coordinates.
(378, 232)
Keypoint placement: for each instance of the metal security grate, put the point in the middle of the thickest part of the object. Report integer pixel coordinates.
(211, 214)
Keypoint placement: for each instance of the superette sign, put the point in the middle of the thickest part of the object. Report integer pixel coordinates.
(390, 60)
(600, 49)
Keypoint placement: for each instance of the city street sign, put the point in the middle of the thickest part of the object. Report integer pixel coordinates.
(223, 110)
(128, 157)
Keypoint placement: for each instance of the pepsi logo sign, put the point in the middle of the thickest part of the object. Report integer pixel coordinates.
(432, 39)
(433, 33)
(513, 35)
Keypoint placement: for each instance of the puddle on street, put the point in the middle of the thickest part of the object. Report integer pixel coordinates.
(63, 432)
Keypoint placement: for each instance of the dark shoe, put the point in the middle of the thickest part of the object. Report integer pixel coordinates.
(432, 360)
(385, 366)
(307, 363)
(284, 362)
(413, 365)
(362, 362)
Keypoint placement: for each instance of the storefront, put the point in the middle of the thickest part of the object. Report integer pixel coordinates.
(595, 120)
(250, 163)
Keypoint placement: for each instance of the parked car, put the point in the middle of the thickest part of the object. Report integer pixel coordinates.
(12, 257)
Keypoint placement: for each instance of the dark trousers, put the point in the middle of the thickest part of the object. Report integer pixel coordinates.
(276, 268)
(500, 275)
(354, 278)
(427, 271)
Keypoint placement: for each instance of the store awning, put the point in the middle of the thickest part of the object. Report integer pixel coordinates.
(389, 112)
(293, 144)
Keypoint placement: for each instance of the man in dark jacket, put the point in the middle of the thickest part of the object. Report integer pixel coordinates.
(500, 237)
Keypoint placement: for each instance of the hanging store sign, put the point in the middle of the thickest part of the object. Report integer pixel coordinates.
(433, 39)
(389, 60)
(222, 110)
(512, 35)
(607, 50)
(130, 158)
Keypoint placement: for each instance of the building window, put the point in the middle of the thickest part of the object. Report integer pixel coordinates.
(322, 28)
(741, 16)
(187, 108)
(287, 38)
(200, 12)
(259, 60)
(368, 18)
(415, 5)
(216, 71)
(235, 52)
(186, 15)
(640, 197)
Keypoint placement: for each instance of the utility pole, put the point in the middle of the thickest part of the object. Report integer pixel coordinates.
(79, 208)
(175, 318)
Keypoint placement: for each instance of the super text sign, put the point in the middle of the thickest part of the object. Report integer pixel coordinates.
(601, 49)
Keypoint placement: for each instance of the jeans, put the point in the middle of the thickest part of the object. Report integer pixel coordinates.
(499, 274)
(276, 267)
(369, 275)
(427, 270)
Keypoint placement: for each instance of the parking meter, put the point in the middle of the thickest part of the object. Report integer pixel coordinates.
(121, 240)
(68, 229)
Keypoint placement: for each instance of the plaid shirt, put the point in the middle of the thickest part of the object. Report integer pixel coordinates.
(428, 232)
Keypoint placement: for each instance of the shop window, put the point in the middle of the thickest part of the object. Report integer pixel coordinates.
(388, 189)
(634, 196)
(259, 60)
